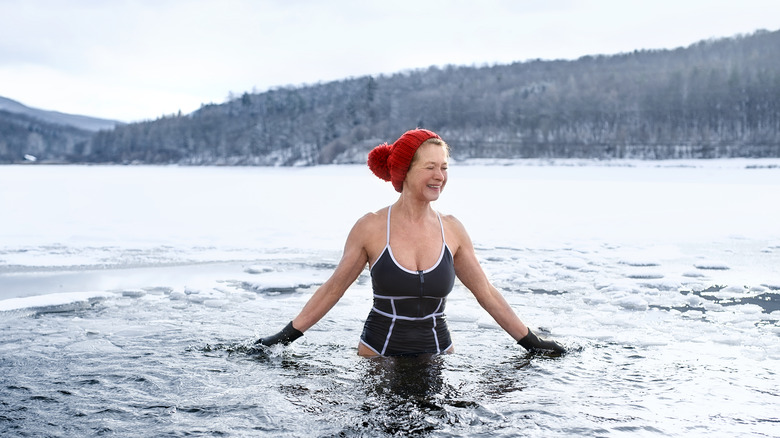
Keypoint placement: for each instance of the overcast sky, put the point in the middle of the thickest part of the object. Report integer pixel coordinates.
(136, 60)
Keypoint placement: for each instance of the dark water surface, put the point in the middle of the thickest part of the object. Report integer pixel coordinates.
(156, 361)
(119, 370)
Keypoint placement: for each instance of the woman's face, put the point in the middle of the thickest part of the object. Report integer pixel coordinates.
(427, 175)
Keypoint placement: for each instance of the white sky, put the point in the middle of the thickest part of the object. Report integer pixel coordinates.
(135, 60)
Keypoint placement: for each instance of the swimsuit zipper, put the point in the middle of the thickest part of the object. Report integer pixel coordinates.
(419, 301)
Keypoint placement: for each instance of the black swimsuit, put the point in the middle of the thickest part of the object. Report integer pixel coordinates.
(408, 313)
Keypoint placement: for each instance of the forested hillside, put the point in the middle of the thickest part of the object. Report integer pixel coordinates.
(716, 98)
(22, 135)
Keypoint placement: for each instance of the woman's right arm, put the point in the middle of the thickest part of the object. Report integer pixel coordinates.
(352, 263)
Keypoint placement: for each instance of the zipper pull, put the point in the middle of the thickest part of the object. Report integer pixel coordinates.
(422, 286)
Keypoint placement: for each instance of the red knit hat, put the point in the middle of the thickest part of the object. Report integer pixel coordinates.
(391, 162)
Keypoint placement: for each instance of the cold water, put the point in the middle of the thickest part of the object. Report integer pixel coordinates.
(130, 295)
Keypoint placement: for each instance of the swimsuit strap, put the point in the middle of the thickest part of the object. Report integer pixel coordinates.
(441, 224)
(390, 207)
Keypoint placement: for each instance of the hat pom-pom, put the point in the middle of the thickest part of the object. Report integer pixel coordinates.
(377, 161)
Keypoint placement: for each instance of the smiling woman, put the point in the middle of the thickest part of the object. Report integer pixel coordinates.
(414, 256)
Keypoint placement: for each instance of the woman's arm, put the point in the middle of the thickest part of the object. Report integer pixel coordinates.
(352, 263)
(326, 296)
(470, 273)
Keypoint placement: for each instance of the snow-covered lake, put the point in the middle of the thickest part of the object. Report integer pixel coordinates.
(128, 294)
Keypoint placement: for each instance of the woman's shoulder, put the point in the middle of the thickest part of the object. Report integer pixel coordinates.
(450, 221)
(369, 222)
(368, 233)
(455, 232)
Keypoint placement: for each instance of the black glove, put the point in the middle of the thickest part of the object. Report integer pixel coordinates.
(284, 337)
(533, 344)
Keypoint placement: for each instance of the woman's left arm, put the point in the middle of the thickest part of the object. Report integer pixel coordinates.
(471, 274)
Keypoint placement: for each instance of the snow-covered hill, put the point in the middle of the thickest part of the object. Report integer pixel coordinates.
(82, 122)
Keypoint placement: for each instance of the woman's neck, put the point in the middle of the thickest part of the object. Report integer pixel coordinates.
(411, 209)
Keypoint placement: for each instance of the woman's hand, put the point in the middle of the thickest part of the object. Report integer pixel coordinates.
(534, 344)
(284, 337)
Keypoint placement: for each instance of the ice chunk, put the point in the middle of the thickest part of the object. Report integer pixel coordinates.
(712, 265)
(258, 269)
(49, 300)
(632, 302)
(216, 303)
(645, 275)
(177, 295)
(135, 293)
(693, 274)
(639, 262)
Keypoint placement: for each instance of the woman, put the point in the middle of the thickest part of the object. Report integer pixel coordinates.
(414, 255)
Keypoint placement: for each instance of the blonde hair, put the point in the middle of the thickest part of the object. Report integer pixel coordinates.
(432, 140)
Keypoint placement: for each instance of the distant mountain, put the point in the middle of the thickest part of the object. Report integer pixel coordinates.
(715, 98)
(57, 118)
(27, 134)
(23, 138)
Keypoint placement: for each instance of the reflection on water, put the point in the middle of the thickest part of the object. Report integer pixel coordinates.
(408, 395)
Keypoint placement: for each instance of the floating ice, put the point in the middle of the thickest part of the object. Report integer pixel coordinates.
(639, 262)
(572, 263)
(712, 265)
(47, 300)
(216, 303)
(177, 295)
(287, 281)
(158, 290)
(665, 285)
(728, 292)
(258, 269)
(133, 293)
(197, 299)
(693, 274)
(632, 302)
(645, 275)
